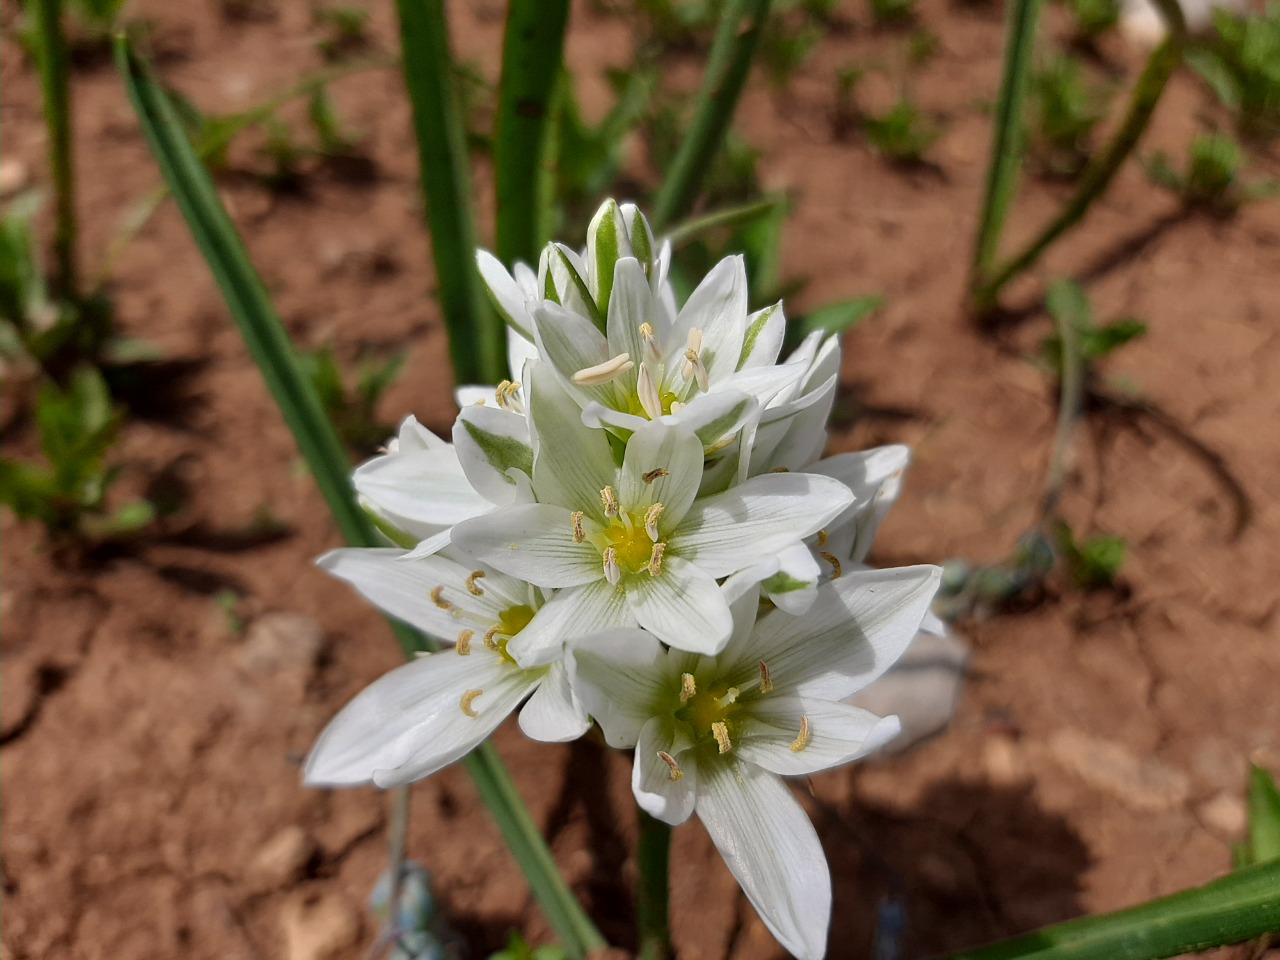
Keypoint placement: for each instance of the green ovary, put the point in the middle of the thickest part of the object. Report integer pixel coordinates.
(635, 408)
(631, 544)
(707, 707)
(510, 622)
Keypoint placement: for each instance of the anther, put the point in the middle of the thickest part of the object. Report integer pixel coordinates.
(578, 533)
(720, 730)
(489, 636)
(688, 687)
(836, 569)
(670, 761)
(474, 588)
(766, 681)
(612, 572)
(604, 372)
(654, 474)
(437, 597)
(822, 538)
(780, 470)
(610, 501)
(464, 643)
(651, 520)
(647, 393)
(806, 734)
(654, 565)
(694, 369)
(505, 394)
(468, 699)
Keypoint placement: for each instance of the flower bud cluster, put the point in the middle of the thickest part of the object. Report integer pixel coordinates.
(637, 530)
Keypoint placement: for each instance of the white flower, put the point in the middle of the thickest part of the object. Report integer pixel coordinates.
(631, 544)
(712, 735)
(434, 710)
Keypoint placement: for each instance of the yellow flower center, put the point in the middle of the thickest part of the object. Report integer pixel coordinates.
(631, 544)
(709, 712)
(636, 408)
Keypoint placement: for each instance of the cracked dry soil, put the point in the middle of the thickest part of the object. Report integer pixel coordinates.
(150, 737)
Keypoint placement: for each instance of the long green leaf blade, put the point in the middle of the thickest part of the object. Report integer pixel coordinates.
(531, 60)
(55, 82)
(477, 340)
(737, 37)
(270, 347)
(1238, 907)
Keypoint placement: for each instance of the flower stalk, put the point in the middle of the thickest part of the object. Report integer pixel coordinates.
(55, 84)
(653, 921)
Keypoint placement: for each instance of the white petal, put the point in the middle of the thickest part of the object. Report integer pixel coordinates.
(410, 723)
(631, 305)
(472, 395)
(658, 447)
(717, 307)
(577, 462)
(413, 436)
(659, 790)
(682, 606)
(765, 331)
(533, 542)
(857, 627)
(732, 530)
(716, 415)
(505, 293)
(490, 442)
(597, 415)
(421, 487)
(794, 586)
(570, 343)
(773, 851)
(836, 733)
(403, 588)
(521, 349)
(875, 477)
(763, 383)
(624, 678)
(570, 296)
(567, 616)
(799, 434)
(553, 714)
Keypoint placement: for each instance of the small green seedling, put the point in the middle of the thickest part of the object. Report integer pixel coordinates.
(1211, 180)
(893, 13)
(1091, 562)
(1263, 841)
(1068, 303)
(345, 30)
(845, 115)
(518, 949)
(1063, 108)
(352, 412)
(783, 51)
(1243, 68)
(68, 493)
(334, 138)
(834, 318)
(1093, 17)
(903, 134)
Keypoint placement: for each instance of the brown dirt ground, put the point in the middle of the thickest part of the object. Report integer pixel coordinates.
(150, 752)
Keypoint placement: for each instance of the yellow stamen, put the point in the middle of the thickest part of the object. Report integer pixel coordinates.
(836, 569)
(489, 635)
(578, 533)
(647, 393)
(720, 730)
(604, 372)
(468, 699)
(822, 538)
(474, 588)
(688, 687)
(437, 597)
(505, 394)
(653, 475)
(806, 734)
(651, 520)
(652, 351)
(766, 681)
(655, 559)
(670, 761)
(464, 643)
(780, 470)
(610, 501)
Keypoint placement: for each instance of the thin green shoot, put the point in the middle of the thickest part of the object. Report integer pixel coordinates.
(1242, 66)
(352, 406)
(901, 134)
(1063, 108)
(1211, 180)
(344, 31)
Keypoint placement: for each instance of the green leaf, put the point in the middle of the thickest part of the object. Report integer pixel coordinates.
(1264, 817)
(840, 317)
(1233, 909)
(477, 338)
(1100, 341)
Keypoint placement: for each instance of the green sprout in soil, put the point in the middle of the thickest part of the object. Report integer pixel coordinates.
(902, 134)
(345, 30)
(1063, 109)
(1242, 66)
(353, 412)
(845, 115)
(1211, 179)
(68, 492)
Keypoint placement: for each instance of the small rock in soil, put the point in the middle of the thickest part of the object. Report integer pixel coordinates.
(282, 644)
(1224, 815)
(13, 176)
(319, 927)
(1142, 783)
(282, 860)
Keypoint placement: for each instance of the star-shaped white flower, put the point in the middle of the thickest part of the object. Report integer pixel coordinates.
(633, 543)
(712, 735)
(437, 708)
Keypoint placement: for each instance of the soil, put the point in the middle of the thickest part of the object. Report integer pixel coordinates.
(151, 733)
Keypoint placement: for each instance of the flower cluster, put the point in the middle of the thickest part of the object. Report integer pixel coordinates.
(637, 530)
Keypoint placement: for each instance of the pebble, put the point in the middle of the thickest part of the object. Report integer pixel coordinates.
(1142, 783)
(282, 860)
(282, 644)
(319, 927)
(1225, 815)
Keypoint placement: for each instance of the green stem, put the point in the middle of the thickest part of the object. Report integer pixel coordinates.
(1238, 907)
(531, 61)
(55, 84)
(477, 340)
(269, 345)
(653, 852)
(1007, 135)
(1098, 175)
(729, 62)
(727, 218)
